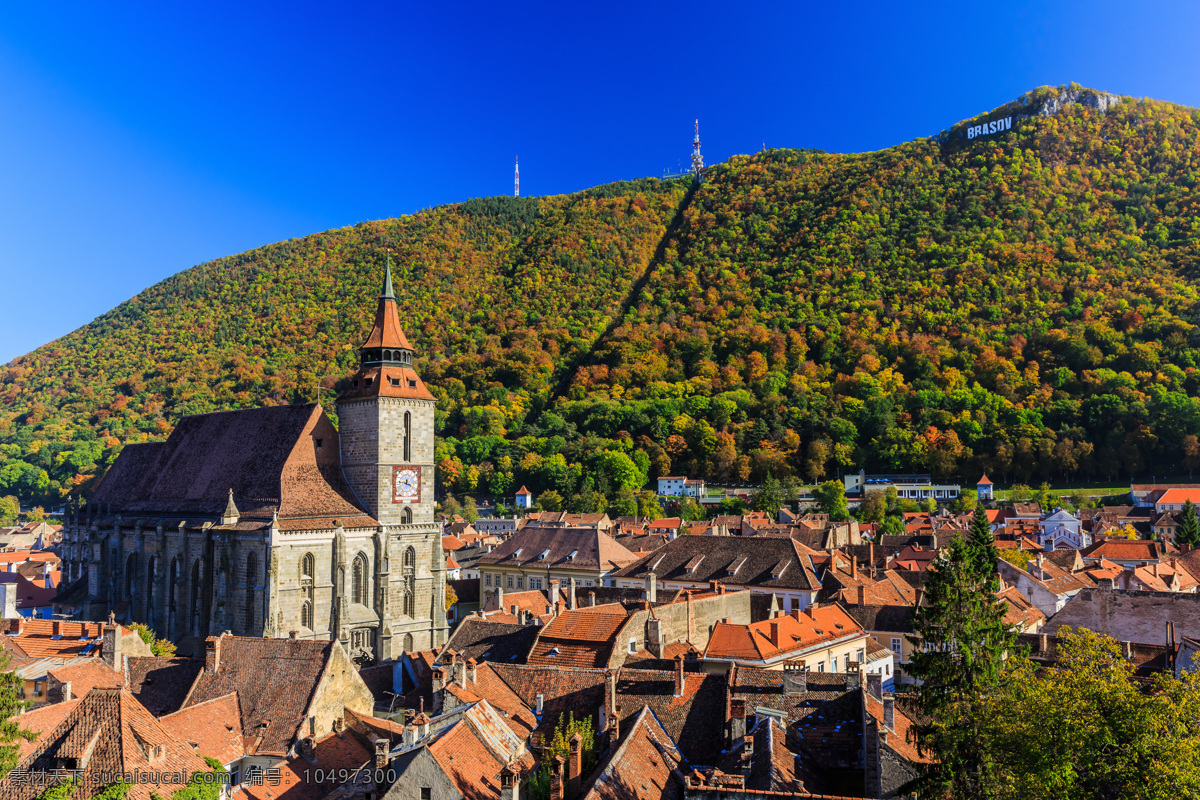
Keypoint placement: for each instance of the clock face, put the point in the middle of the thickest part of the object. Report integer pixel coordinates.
(406, 484)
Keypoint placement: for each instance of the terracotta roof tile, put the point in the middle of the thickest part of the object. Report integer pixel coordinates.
(119, 735)
(274, 679)
(593, 549)
(646, 765)
(333, 756)
(484, 640)
(41, 721)
(162, 684)
(212, 727)
(578, 639)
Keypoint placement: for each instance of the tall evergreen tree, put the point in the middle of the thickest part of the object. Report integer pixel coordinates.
(11, 732)
(960, 645)
(1189, 526)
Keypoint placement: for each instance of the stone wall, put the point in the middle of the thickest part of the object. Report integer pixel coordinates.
(340, 688)
(692, 621)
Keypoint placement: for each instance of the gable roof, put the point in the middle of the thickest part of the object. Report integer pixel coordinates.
(213, 728)
(693, 720)
(773, 768)
(41, 720)
(109, 732)
(334, 758)
(472, 751)
(87, 675)
(162, 684)
(484, 640)
(767, 561)
(281, 458)
(561, 548)
(646, 765)
(275, 680)
(580, 638)
(784, 634)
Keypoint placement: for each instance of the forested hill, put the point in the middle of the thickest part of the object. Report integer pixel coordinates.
(1022, 302)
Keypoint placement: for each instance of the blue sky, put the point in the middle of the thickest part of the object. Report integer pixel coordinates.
(139, 139)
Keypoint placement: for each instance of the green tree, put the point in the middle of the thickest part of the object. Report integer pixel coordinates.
(960, 644)
(36, 514)
(560, 745)
(1188, 531)
(9, 508)
(159, 647)
(24, 480)
(1085, 729)
(469, 510)
(731, 507)
(624, 504)
(11, 704)
(831, 497)
(873, 506)
(451, 596)
(550, 500)
(967, 501)
(768, 497)
(451, 506)
(648, 505)
(893, 525)
(689, 509)
(1019, 493)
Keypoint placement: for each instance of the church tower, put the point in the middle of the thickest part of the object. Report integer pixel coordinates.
(385, 421)
(386, 424)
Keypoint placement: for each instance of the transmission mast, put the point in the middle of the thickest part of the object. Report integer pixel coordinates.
(697, 159)
(517, 179)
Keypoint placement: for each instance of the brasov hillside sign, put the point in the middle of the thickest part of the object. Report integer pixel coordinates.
(995, 126)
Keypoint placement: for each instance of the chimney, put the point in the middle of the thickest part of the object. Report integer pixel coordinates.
(854, 568)
(592, 599)
(56, 628)
(1170, 646)
(571, 594)
(712, 586)
(439, 689)
(510, 783)
(862, 594)
(651, 588)
(555, 588)
(679, 676)
(293, 634)
(110, 647)
(8, 591)
(381, 754)
(1127, 649)
(875, 685)
(409, 736)
(654, 641)
(559, 608)
(853, 675)
(515, 610)
(499, 597)
(737, 720)
(470, 670)
(66, 691)
(556, 779)
(795, 678)
(212, 653)
(747, 753)
(574, 765)
(539, 702)
(889, 712)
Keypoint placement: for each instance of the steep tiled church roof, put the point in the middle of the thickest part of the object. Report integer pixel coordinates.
(281, 458)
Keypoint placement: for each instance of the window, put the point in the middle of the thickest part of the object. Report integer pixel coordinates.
(860, 656)
(359, 581)
(307, 567)
(251, 582)
(897, 645)
(633, 645)
(520, 582)
(306, 615)
(410, 581)
(407, 436)
(510, 583)
(426, 793)
(488, 579)
(821, 667)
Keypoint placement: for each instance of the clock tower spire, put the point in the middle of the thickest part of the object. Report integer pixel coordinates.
(386, 419)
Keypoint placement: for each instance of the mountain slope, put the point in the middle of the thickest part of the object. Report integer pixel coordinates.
(1022, 302)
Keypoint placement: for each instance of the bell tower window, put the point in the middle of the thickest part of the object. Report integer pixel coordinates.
(407, 436)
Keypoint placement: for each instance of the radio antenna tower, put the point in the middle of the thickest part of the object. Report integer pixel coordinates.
(697, 159)
(517, 179)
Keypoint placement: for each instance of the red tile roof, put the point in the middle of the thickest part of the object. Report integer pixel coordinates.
(92, 674)
(41, 721)
(474, 750)
(902, 738)
(1180, 496)
(334, 755)
(646, 765)
(778, 637)
(593, 549)
(36, 639)
(213, 728)
(275, 680)
(270, 457)
(578, 639)
(120, 735)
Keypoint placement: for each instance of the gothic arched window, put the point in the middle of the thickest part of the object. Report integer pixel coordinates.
(359, 580)
(406, 516)
(410, 580)
(408, 643)
(306, 615)
(407, 436)
(307, 567)
(251, 582)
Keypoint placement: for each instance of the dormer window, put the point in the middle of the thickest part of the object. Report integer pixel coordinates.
(319, 442)
(412, 384)
(368, 381)
(572, 554)
(394, 381)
